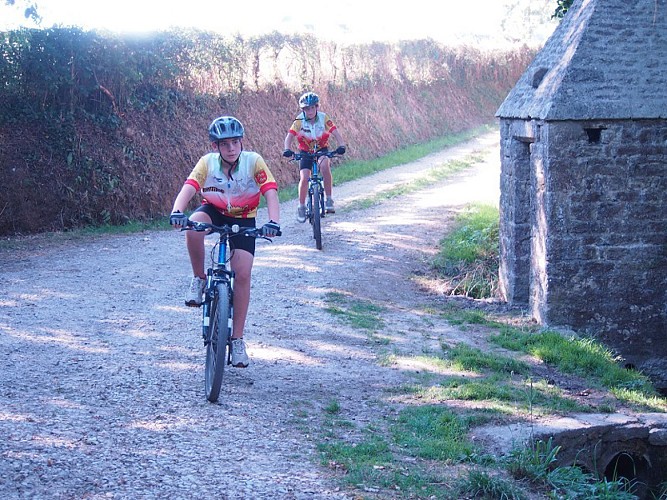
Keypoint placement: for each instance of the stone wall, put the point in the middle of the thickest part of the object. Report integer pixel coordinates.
(515, 210)
(598, 230)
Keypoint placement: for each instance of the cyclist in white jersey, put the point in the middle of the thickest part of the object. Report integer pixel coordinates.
(312, 129)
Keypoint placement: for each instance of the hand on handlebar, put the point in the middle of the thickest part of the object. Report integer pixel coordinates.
(270, 229)
(288, 153)
(178, 219)
(340, 150)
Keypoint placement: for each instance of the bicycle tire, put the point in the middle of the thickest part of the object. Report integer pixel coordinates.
(309, 206)
(217, 350)
(317, 215)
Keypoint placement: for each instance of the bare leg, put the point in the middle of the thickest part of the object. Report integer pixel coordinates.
(242, 266)
(325, 168)
(194, 241)
(304, 174)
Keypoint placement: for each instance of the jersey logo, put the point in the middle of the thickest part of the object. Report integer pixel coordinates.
(212, 189)
(261, 177)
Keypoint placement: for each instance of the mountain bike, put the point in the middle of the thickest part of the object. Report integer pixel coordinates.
(315, 209)
(218, 301)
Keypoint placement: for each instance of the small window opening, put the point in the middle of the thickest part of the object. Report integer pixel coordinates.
(594, 134)
(538, 76)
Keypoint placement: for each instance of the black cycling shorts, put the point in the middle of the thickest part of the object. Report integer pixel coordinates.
(307, 163)
(241, 241)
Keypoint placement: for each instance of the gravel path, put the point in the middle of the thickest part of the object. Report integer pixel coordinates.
(101, 391)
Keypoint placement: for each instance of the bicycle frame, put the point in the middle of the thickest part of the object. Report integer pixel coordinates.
(315, 179)
(219, 272)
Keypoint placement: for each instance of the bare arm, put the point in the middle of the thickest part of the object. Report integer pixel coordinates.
(183, 198)
(273, 205)
(339, 138)
(289, 139)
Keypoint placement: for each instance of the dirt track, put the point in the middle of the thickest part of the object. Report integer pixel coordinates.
(101, 391)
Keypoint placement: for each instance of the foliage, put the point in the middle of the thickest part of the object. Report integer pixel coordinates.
(465, 357)
(101, 129)
(74, 74)
(562, 8)
(358, 313)
(536, 463)
(469, 255)
(433, 432)
(30, 9)
(359, 459)
(585, 357)
(480, 484)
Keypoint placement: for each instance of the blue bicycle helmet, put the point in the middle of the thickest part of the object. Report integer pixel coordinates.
(225, 127)
(309, 99)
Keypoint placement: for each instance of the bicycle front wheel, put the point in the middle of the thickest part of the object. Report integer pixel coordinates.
(317, 215)
(217, 349)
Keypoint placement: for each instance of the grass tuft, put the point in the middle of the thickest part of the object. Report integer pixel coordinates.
(584, 357)
(468, 256)
(433, 432)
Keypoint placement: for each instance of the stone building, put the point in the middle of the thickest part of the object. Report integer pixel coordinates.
(584, 180)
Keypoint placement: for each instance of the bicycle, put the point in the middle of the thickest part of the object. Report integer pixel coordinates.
(315, 209)
(218, 300)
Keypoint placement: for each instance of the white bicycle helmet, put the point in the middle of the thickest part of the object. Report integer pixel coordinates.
(309, 99)
(225, 127)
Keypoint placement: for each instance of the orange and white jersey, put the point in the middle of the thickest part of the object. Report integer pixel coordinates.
(314, 135)
(238, 195)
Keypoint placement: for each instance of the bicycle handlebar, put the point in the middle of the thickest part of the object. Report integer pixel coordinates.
(317, 154)
(227, 230)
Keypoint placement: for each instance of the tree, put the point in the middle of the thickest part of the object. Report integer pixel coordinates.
(562, 8)
(30, 7)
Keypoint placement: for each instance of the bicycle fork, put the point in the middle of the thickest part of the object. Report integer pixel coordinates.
(206, 309)
(209, 297)
(315, 204)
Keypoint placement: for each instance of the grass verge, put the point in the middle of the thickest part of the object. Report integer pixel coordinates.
(423, 449)
(467, 261)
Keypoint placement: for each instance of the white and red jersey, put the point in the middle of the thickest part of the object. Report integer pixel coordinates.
(239, 194)
(313, 135)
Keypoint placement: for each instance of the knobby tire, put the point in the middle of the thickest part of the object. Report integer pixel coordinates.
(217, 349)
(317, 215)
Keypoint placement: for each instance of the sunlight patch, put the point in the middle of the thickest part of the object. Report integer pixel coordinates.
(179, 366)
(421, 364)
(63, 337)
(274, 353)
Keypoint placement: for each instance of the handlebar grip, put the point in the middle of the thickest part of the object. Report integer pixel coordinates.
(259, 232)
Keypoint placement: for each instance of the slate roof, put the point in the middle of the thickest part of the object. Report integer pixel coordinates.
(607, 59)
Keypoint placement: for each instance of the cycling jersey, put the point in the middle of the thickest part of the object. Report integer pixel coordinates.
(238, 195)
(312, 136)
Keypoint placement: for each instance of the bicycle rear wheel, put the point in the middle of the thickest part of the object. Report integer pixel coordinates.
(217, 349)
(317, 215)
